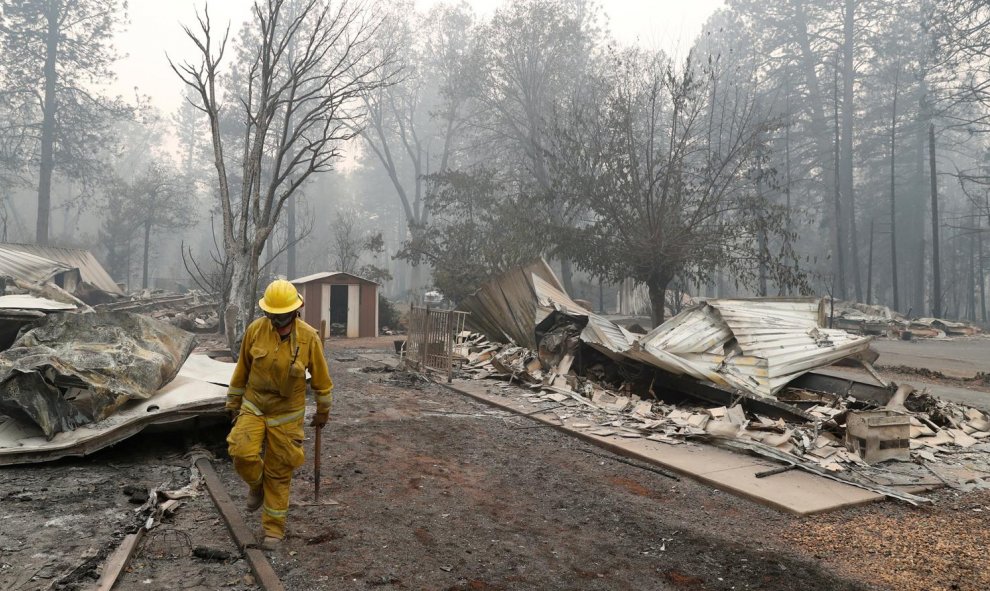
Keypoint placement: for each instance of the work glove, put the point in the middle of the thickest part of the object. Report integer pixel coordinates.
(320, 420)
(232, 414)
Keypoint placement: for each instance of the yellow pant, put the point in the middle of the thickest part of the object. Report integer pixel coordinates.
(283, 453)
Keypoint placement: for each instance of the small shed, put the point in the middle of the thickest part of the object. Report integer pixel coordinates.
(347, 302)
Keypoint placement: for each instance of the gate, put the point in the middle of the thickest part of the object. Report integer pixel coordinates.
(430, 344)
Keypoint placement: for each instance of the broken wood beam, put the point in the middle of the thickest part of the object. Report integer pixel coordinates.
(773, 471)
(820, 382)
(714, 394)
(239, 530)
(795, 461)
(118, 561)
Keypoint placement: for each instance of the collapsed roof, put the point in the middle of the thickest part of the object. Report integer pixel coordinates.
(90, 270)
(34, 268)
(757, 346)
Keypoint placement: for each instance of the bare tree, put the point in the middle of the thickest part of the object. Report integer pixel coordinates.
(676, 196)
(160, 201)
(414, 124)
(351, 242)
(345, 242)
(303, 67)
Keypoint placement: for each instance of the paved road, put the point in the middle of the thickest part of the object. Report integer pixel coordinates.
(961, 357)
(958, 394)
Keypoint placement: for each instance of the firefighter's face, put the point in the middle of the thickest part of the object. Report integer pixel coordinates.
(281, 320)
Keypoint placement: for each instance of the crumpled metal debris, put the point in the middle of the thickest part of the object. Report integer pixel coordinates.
(754, 345)
(74, 369)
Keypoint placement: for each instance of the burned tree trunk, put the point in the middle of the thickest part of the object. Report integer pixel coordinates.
(48, 128)
(981, 268)
(840, 246)
(147, 249)
(846, 163)
(917, 229)
(936, 265)
(893, 197)
(657, 286)
(869, 267)
(290, 253)
(971, 279)
(785, 290)
(242, 301)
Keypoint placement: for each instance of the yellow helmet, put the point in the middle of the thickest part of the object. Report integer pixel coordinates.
(280, 297)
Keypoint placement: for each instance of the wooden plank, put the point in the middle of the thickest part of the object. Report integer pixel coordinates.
(239, 530)
(118, 561)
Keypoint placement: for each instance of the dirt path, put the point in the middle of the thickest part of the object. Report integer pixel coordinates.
(440, 492)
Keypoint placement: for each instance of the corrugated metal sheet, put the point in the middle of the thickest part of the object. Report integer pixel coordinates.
(90, 270)
(29, 267)
(508, 309)
(30, 302)
(600, 333)
(756, 345)
(505, 308)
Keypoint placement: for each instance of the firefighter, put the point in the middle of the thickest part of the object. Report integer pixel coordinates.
(267, 402)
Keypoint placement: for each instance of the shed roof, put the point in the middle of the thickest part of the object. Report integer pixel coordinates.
(327, 275)
(29, 267)
(90, 270)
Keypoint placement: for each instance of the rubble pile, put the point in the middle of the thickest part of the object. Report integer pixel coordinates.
(948, 443)
(195, 311)
(82, 366)
(866, 319)
(73, 369)
(736, 373)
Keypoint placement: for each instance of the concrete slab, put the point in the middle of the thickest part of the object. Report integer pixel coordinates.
(794, 491)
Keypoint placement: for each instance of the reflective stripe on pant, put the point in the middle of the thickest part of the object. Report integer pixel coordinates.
(282, 438)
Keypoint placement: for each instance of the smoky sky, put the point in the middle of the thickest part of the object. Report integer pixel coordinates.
(155, 28)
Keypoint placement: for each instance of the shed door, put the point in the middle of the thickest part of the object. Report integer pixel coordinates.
(325, 306)
(353, 311)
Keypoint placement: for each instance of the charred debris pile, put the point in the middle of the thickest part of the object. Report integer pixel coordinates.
(866, 319)
(82, 365)
(744, 374)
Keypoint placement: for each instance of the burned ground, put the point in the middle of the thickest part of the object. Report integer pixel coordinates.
(61, 520)
(437, 491)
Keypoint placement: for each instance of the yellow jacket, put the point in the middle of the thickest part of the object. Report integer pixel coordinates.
(270, 377)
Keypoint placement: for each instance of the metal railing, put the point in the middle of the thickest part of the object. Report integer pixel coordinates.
(430, 344)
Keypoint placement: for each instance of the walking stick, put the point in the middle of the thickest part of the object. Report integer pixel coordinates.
(318, 445)
(316, 463)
